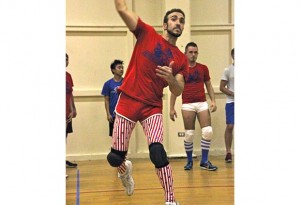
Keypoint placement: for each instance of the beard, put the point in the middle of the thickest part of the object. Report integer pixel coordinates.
(170, 32)
(193, 59)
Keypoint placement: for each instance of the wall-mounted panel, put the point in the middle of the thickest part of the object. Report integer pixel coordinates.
(210, 12)
(90, 56)
(90, 136)
(150, 12)
(92, 13)
(214, 51)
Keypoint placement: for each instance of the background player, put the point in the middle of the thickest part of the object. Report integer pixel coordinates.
(109, 90)
(194, 105)
(227, 87)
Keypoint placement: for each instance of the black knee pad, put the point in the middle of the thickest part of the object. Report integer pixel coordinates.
(115, 158)
(158, 155)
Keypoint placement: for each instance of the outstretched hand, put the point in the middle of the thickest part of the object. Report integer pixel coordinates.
(165, 72)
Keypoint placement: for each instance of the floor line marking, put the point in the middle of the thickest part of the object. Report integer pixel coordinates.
(78, 188)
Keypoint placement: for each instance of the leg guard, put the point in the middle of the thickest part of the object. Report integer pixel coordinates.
(207, 133)
(158, 155)
(115, 158)
(189, 135)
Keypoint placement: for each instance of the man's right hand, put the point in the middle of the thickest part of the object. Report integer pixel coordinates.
(109, 118)
(173, 114)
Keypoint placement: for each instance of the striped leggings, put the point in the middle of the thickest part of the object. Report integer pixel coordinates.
(153, 129)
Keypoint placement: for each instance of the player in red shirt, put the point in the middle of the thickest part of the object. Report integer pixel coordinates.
(194, 105)
(70, 107)
(156, 63)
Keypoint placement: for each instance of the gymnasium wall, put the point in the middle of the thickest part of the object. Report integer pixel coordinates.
(96, 35)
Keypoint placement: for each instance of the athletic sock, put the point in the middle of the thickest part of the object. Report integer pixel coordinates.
(189, 155)
(205, 145)
(189, 150)
(166, 180)
(122, 168)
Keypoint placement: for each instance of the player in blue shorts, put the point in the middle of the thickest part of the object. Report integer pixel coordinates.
(227, 87)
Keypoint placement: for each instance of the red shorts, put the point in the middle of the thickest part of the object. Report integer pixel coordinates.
(135, 110)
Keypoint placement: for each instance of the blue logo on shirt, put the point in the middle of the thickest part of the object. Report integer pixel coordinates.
(159, 56)
(194, 77)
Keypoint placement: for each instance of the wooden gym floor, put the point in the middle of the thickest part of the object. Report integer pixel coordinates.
(99, 184)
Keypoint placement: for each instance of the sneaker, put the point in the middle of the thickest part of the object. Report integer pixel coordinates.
(70, 164)
(188, 166)
(208, 166)
(172, 203)
(228, 158)
(127, 179)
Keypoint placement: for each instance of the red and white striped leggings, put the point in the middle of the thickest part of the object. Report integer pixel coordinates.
(153, 129)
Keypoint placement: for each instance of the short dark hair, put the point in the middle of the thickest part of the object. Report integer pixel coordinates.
(172, 11)
(115, 63)
(190, 44)
(67, 56)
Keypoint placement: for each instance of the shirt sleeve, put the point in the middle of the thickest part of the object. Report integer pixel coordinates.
(69, 79)
(105, 90)
(225, 75)
(206, 73)
(142, 29)
(185, 70)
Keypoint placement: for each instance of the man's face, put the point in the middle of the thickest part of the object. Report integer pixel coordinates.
(119, 70)
(191, 54)
(175, 24)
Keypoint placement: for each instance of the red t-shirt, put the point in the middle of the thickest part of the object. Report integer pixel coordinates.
(69, 91)
(194, 85)
(151, 49)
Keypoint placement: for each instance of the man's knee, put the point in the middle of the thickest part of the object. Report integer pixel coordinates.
(229, 127)
(158, 155)
(115, 158)
(189, 135)
(207, 133)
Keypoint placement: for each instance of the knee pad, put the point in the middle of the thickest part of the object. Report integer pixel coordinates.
(207, 133)
(158, 155)
(189, 135)
(115, 158)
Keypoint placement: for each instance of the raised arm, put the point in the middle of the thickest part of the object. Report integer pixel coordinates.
(211, 93)
(129, 17)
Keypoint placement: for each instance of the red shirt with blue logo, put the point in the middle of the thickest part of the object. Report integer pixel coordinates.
(151, 49)
(194, 85)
